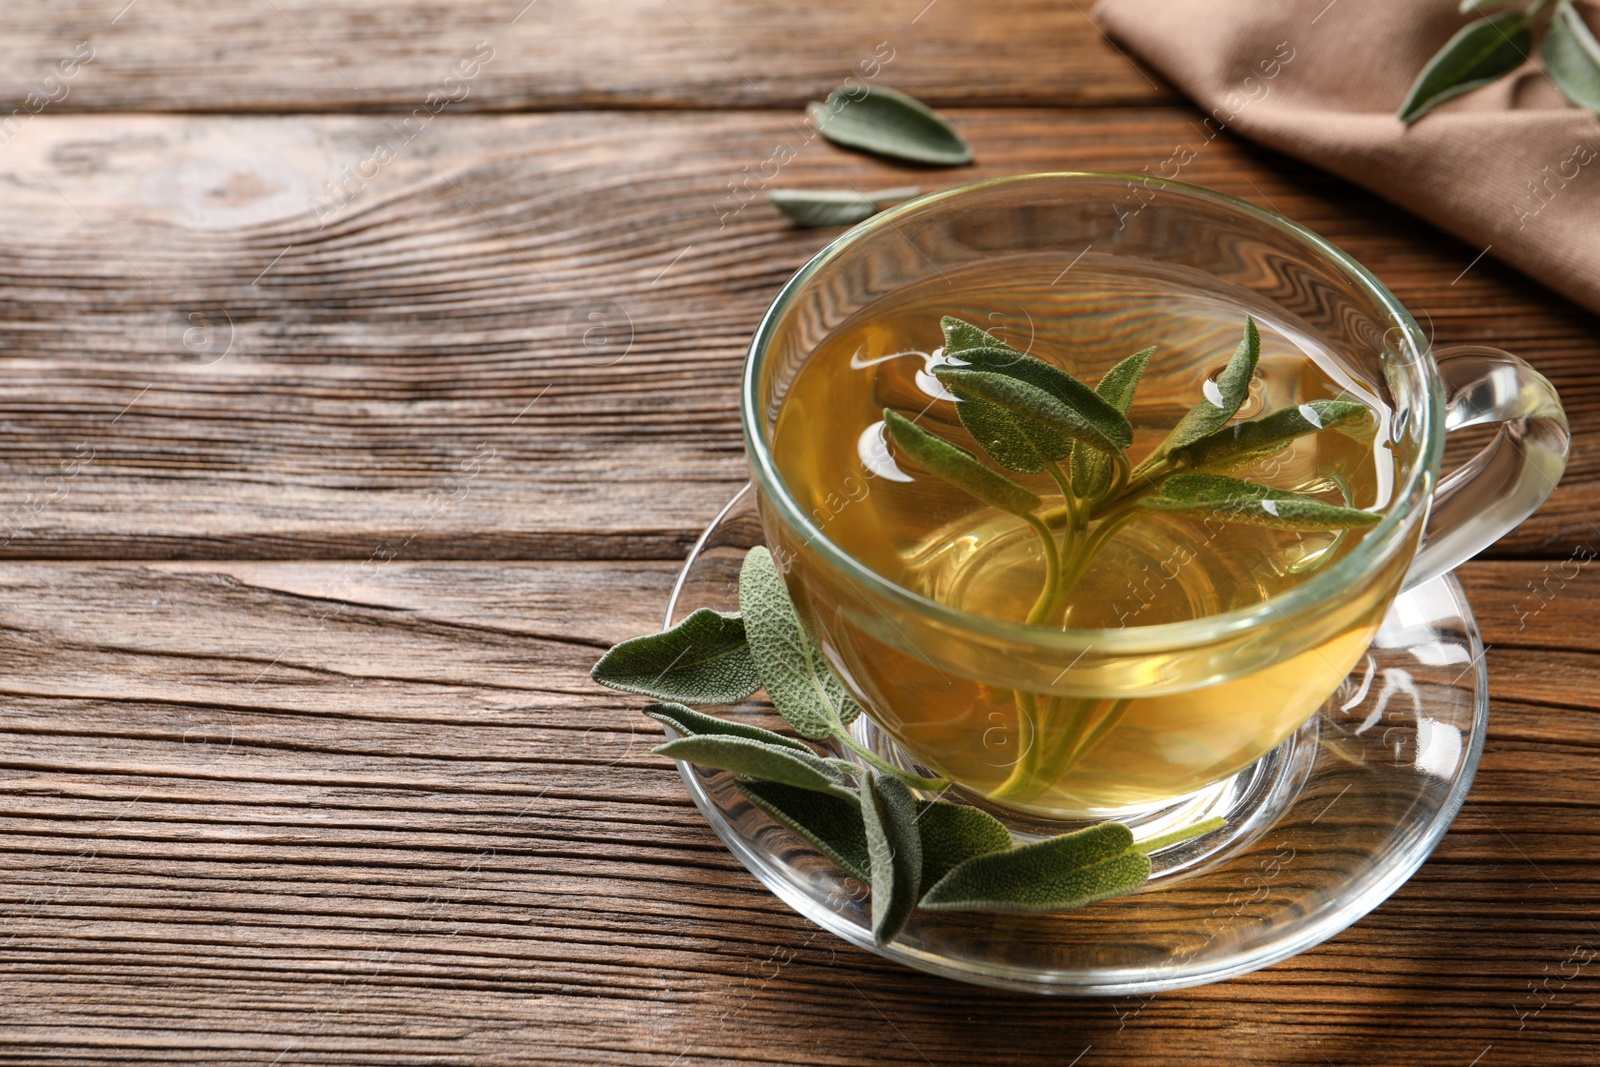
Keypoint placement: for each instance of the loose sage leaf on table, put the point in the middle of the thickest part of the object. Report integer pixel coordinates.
(1482, 52)
(693, 723)
(954, 833)
(959, 467)
(1092, 468)
(1572, 56)
(1049, 422)
(703, 660)
(792, 669)
(1056, 874)
(830, 821)
(1232, 500)
(1222, 398)
(742, 755)
(1240, 441)
(887, 122)
(894, 845)
(835, 207)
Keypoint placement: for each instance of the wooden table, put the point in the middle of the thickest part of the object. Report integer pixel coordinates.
(324, 493)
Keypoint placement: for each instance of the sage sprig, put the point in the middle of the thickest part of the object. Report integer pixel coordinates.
(1491, 47)
(863, 816)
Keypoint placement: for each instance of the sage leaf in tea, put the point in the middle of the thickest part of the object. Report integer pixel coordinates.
(959, 467)
(1048, 422)
(1007, 362)
(757, 759)
(705, 659)
(1092, 469)
(792, 669)
(1482, 52)
(954, 833)
(693, 723)
(960, 335)
(1221, 399)
(1245, 440)
(835, 207)
(1056, 874)
(894, 845)
(1572, 56)
(890, 123)
(1003, 438)
(1233, 500)
(831, 822)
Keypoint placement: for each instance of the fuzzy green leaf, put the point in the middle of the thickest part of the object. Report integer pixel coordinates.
(958, 467)
(1002, 437)
(1222, 399)
(757, 759)
(1572, 56)
(705, 659)
(960, 335)
(693, 723)
(1232, 500)
(1233, 444)
(835, 207)
(830, 821)
(792, 669)
(1092, 469)
(1088, 405)
(894, 845)
(955, 833)
(1053, 875)
(1482, 52)
(1050, 424)
(887, 122)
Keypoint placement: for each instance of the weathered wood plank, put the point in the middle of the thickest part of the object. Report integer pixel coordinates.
(301, 812)
(195, 367)
(305, 55)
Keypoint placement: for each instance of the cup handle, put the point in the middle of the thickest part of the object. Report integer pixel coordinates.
(1496, 489)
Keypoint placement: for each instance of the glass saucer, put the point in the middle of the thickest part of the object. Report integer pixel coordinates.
(1321, 831)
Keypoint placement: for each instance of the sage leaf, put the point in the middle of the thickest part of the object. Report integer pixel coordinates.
(887, 122)
(894, 846)
(1469, 6)
(1056, 874)
(1048, 422)
(705, 659)
(1482, 52)
(693, 723)
(1091, 468)
(1002, 437)
(1005, 360)
(1234, 444)
(1222, 398)
(959, 467)
(835, 207)
(960, 335)
(1232, 500)
(830, 821)
(1572, 56)
(757, 759)
(792, 669)
(954, 833)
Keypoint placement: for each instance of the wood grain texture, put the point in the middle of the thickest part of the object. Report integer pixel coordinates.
(301, 813)
(521, 336)
(313, 55)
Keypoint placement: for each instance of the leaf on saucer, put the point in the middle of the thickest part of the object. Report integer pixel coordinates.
(1482, 52)
(1056, 874)
(1091, 468)
(894, 846)
(792, 670)
(835, 207)
(1234, 444)
(1232, 500)
(1572, 56)
(830, 821)
(741, 755)
(1222, 400)
(886, 122)
(954, 833)
(958, 467)
(705, 659)
(693, 723)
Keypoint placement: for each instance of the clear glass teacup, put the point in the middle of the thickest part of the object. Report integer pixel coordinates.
(1112, 721)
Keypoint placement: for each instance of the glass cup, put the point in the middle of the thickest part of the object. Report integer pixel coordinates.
(1111, 723)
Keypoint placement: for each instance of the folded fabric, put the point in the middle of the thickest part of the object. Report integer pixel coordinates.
(1512, 168)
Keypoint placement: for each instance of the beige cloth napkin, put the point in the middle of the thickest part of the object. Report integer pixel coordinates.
(1512, 167)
